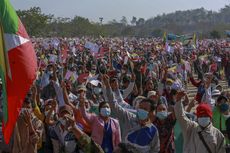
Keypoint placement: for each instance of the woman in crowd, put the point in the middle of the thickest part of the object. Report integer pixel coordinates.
(105, 129)
(165, 122)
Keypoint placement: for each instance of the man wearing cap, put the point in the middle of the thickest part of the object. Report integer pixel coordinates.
(67, 136)
(200, 136)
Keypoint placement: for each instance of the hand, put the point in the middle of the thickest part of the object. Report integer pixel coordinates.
(70, 122)
(63, 84)
(189, 74)
(54, 68)
(192, 103)
(27, 117)
(105, 79)
(133, 77)
(208, 81)
(54, 104)
(180, 95)
(34, 89)
(165, 68)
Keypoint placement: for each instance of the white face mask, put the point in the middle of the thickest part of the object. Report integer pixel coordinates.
(26, 109)
(119, 75)
(105, 112)
(226, 116)
(50, 72)
(47, 112)
(203, 121)
(62, 121)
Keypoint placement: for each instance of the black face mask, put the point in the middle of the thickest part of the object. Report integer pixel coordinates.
(51, 90)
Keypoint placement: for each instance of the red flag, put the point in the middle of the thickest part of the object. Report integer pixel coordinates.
(22, 65)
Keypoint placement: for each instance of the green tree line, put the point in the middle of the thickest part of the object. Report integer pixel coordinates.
(207, 24)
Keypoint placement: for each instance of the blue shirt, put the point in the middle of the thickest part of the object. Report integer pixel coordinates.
(107, 143)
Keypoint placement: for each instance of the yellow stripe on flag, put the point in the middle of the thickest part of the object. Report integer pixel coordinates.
(4, 62)
(3, 73)
(3, 65)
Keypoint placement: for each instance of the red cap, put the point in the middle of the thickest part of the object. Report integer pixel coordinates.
(204, 109)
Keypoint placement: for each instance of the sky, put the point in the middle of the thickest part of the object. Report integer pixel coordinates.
(115, 9)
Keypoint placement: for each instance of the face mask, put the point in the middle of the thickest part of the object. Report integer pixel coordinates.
(50, 72)
(97, 90)
(224, 107)
(119, 75)
(93, 71)
(203, 121)
(47, 112)
(87, 109)
(162, 115)
(168, 87)
(122, 71)
(151, 61)
(105, 112)
(142, 114)
(174, 76)
(226, 116)
(62, 121)
(26, 109)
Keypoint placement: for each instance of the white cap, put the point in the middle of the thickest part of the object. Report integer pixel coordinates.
(94, 82)
(137, 100)
(151, 93)
(216, 92)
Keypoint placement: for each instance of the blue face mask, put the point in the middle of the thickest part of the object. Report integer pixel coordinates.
(97, 90)
(203, 121)
(105, 112)
(142, 114)
(162, 115)
(50, 72)
(224, 107)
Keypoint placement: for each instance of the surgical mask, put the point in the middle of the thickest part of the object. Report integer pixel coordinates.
(93, 71)
(105, 112)
(119, 75)
(26, 109)
(162, 115)
(174, 76)
(224, 107)
(50, 72)
(87, 109)
(168, 87)
(122, 71)
(97, 90)
(151, 61)
(226, 116)
(47, 112)
(62, 121)
(203, 121)
(142, 114)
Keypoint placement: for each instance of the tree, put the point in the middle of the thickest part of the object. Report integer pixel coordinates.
(134, 20)
(124, 20)
(141, 21)
(215, 34)
(34, 20)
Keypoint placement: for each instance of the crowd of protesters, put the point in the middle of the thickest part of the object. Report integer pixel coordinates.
(125, 95)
